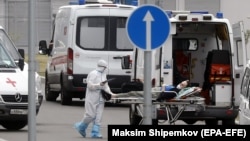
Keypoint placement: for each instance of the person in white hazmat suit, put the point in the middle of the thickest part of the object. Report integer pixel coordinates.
(94, 102)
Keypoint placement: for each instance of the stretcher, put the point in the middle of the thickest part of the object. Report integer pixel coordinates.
(190, 101)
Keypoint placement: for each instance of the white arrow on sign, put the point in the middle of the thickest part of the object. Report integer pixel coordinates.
(148, 19)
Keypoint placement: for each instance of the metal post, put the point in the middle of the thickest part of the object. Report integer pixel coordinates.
(147, 88)
(31, 75)
(147, 118)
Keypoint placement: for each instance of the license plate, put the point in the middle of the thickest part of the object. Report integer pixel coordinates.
(18, 112)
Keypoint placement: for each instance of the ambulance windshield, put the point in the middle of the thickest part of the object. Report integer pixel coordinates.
(9, 45)
(5, 59)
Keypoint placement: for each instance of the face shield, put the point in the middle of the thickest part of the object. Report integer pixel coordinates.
(102, 66)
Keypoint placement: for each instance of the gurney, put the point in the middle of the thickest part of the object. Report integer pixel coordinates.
(182, 101)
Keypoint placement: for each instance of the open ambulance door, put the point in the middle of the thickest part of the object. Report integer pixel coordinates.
(239, 58)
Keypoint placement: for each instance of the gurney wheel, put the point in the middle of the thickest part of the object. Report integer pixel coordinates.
(134, 117)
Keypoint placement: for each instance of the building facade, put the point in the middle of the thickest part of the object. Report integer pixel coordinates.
(14, 14)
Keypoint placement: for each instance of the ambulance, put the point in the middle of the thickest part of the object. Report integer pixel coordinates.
(83, 34)
(204, 49)
(14, 85)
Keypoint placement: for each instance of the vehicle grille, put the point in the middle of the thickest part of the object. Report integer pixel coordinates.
(17, 106)
(11, 98)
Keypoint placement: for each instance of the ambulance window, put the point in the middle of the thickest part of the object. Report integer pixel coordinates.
(103, 33)
(91, 32)
(247, 94)
(7, 43)
(95, 22)
(239, 53)
(187, 44)
(5, 59)
(122, 41)
(245, 82)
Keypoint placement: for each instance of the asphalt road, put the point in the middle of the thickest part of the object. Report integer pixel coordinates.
(54, 122)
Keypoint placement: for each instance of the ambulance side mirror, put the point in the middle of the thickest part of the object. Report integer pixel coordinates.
(43, 47)
(21, 60)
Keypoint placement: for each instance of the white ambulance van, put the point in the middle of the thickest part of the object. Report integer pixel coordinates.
(84, 34)
(204, 49)
(14, 85)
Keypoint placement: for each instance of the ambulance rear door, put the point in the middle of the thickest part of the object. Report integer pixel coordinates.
(239, 58)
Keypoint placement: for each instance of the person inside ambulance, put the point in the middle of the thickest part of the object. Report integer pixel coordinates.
(171, 91)
(176, 88)
(94, 102)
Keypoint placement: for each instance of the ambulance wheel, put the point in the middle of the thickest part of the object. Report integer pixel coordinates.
(66, 99)
(49, 95)
(134, 117)
(14, 125)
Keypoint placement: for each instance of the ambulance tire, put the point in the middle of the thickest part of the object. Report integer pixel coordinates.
(14, 125)
(66, 99)
(49, 95)
(134, 117)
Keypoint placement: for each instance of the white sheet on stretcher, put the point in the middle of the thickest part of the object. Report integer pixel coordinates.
(137, 95)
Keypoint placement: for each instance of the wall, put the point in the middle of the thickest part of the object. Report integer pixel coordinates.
(2, 13)
(232, 9)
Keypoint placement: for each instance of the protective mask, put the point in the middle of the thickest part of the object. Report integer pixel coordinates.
(179, 86)
(101, 69)
(183, 84)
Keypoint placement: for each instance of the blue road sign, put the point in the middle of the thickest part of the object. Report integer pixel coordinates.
(148, 27)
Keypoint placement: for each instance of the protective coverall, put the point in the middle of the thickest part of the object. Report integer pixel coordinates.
(94, 102)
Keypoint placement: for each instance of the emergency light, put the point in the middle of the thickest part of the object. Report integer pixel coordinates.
(82, 2)
(184, 15)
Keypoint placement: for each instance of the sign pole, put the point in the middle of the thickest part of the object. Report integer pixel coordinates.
(147, 88)
(152, 30)
(147, 71)
(32, 96)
